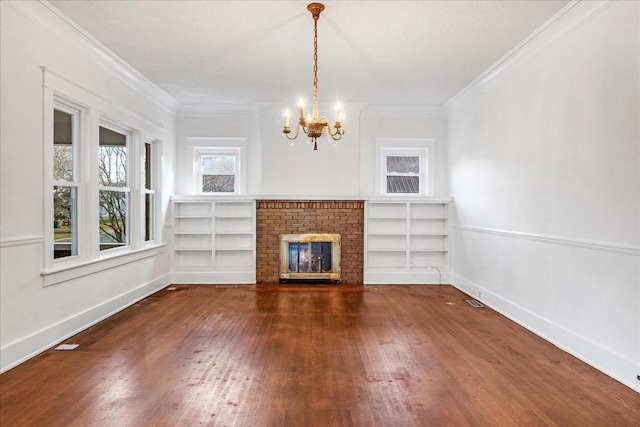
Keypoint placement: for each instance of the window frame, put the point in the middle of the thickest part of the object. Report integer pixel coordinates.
(92, 112)
(126, 189)
(200, 152)
(78, 114)
(391, 147)
(153, 180)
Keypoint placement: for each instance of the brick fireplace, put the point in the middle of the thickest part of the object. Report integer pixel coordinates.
(276, 217)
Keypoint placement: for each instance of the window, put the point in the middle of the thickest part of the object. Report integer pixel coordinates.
(217, 170)
(403, 174)
(148, 189)
(65, 182)
(112, 189)
(102, 176)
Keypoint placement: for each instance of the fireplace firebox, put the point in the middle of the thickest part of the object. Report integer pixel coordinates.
(312, 258)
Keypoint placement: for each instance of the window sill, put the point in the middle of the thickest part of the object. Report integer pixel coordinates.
(62, 274)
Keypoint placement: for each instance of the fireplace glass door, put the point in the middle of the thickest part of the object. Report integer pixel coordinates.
(309, 257)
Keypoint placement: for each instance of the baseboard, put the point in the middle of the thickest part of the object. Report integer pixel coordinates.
(616, 365)
(25, 348)
(232, 277)
(412, 277)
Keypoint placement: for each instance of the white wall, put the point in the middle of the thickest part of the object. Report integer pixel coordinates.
(544, 162)
(281, 168)
(32, 316)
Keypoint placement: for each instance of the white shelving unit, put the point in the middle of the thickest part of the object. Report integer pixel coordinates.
(407, 241)
(214, 240)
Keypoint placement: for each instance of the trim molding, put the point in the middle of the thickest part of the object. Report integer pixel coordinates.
(47, 16)
(574, 14)
(614, 364)
(22, 349)
(21, 241)
(556, 240)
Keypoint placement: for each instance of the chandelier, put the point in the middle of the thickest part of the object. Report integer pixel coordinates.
(313, 125)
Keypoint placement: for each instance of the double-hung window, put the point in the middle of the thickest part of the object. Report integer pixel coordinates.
(217, 170)
(149, 189)
(66, 181)
(103, 177)
(113, 188)
(404, 166)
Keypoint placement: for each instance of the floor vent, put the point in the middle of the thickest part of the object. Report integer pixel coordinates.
(66, 347)
(226, 286)
(474, 303)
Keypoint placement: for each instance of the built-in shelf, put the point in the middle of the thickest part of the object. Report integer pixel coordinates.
(406, 241)
(214, 240)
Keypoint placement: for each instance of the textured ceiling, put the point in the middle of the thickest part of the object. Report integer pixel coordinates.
(248, 52)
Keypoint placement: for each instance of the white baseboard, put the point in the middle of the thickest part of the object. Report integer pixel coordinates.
(414, 277)
(27, 347)
(233, 277)
(608, 361)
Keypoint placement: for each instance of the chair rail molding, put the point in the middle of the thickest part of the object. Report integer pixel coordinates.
(556, 240)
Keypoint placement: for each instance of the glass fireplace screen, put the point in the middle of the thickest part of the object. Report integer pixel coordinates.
(309, 257)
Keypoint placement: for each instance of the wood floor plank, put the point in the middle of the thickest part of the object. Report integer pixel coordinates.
(250, 356)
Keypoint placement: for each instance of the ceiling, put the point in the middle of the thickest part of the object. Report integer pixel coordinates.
(261, 52)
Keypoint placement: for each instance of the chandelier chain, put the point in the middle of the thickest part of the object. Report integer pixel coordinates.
(315, 59)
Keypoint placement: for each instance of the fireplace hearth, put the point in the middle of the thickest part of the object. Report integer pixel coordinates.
(310, 258)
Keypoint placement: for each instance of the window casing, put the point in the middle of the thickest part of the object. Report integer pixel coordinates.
(113, 188)
(66, 181)
(101, 177)
(403, 171)
(217, 170)
(149, 190)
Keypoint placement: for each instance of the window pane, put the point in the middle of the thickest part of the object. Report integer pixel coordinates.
(218, 183)
(62, 146)
(113, 219)
(218, 164)
(65, 236)
(147, 166)
(403, 184)
(148, 217)
(112, 160)
(403, 164)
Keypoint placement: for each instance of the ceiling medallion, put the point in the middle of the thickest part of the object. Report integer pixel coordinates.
(313, 125)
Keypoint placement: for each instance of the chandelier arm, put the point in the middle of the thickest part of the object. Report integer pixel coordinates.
(295, 136)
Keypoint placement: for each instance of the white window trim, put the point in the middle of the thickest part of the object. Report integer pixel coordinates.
(238, 151)
(422, 147)
(156, 190)
(93, 112)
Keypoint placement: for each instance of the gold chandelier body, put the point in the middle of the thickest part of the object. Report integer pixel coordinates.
(314, 125)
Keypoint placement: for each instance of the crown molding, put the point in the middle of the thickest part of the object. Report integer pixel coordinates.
(221, 109)
(419, 111)
(568, 18)
(46, 16)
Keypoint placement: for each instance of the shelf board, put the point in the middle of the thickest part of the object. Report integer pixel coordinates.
(234, 216)
(234, 249)
(394, 217)
(234, 233)
(192, 217)
(193, 233)
(429, 250)
(443, 234)
(193, 249)
(434, 218)
(386, 250)
(386, 233)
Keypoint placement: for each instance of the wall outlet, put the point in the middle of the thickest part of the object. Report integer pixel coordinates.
(479, 294)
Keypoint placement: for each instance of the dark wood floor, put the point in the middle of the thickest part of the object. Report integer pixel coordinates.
(245, 356)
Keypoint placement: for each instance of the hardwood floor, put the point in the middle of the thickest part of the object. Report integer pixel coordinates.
(245, 356)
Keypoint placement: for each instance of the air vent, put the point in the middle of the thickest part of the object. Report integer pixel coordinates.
(226, 286)
(474, 303)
